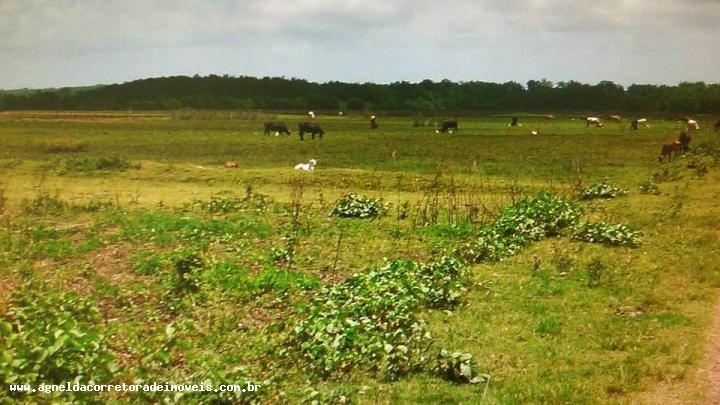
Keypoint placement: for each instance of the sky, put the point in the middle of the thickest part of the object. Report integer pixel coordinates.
(56, 43)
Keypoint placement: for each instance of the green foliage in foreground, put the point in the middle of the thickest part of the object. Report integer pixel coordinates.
(608, 234)
(601, 190)
(371, 320)
(356, 206)
(530, 219)
(51, 337)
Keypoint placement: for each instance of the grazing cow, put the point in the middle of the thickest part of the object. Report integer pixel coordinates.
(615, 118)
(634, 124)
(312, 127)
(306, 167)
(669, 150)
(691, 123)
(593, 121)
(514, 122)
(277, 127)
(684, 139)
(549, 117)
(231, 165)
(448, 127)
(311, 114)
(373, 122)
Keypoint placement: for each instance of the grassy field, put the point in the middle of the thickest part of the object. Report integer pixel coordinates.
(128, 253)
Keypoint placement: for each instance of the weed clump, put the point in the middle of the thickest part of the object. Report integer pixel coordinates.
(65, 146)
(458, 367)
(371, 320)
(43, 204)
(601, 190)
(530, 219)
(649, 186)
(356, 206)
(607, 234)
(252, 201)
(86, 164)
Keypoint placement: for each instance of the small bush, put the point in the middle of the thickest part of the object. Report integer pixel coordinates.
(601, 190)
(667, 173)
(252, 201)
(608, 234)
(186, 265)
(649, 186)
(43, 204)
(86, 164)
(458, 367)
(355, 206)
(595, 269)
(65, 146)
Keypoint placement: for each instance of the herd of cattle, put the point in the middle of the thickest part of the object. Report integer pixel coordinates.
(668, 150)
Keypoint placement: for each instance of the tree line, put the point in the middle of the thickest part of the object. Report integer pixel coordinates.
(279, 93)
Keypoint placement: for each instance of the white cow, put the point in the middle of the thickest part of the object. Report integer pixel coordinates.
(692, 123)
(593, 121)
(307, 167)
(311, 114)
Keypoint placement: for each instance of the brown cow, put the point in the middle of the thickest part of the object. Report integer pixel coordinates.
(669, 150)
(615, 118)
(684, 139)
(231, 165)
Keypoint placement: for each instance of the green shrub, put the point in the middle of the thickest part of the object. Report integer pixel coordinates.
(530, 219)
(43, 204)
(52, 337)
(355, 206)
(87, 164)
(601, 190)
(649, 186)
(458, 367)
(186, 266)
(608, 234)
(371, 320)
(252, 201)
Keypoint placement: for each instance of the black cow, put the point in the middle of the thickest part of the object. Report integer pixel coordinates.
(448, 126)
(276, 126)
(514, 122)
(311, 127)
(717, 126)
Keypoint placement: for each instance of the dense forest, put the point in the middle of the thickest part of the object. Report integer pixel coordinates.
(278, 93)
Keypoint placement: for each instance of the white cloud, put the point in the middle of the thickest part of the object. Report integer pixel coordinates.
(64, 42)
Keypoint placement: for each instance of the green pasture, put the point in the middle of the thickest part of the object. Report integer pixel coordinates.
(126, 233)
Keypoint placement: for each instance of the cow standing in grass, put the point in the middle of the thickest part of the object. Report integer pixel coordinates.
(615, 118)
(514, 122)
(684, 139)
(373, 122)
(312, 127)
(549, 117)
(277, 127)
(670, 150)
(635, 124)
(593, 121)
(448, 127)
